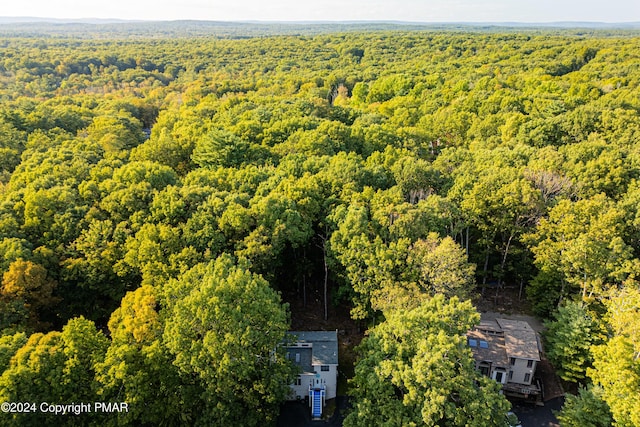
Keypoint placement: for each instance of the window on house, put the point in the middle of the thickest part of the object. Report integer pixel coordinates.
(512, 360)
(298, 381)
(324, 368)
(527, 377)
(529, 363)
(297, 357)
(473, 343)
(510, 375)
(484, 369)
(484, 344)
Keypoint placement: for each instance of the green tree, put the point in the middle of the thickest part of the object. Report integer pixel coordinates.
(582, 244)
(12, 249)
(12, 143)
(623, 313)
(616, 368)
(151, 250)
(587, 409)
(58, 367)
(220, 148)
(569, 339)
(93, 280)
(116, 132)
(51, 215)
(443, 267)
(223, 327)
(138, 368)
(165, 150)
(416, 369)
(616, 363)
(501, 204)
(9, 345)
(373, 269)
(28, 288)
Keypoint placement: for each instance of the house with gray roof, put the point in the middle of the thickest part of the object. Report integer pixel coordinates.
(316, 355)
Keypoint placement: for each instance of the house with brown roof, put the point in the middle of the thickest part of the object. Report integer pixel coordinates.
(507, 351)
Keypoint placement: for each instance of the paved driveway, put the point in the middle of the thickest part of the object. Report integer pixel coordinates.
(297, 414)
(539, 416)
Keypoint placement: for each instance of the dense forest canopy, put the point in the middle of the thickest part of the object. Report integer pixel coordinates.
(161, 198)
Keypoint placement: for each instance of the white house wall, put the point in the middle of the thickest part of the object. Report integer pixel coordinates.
(520, 369)
(302, 390)
(328, 378)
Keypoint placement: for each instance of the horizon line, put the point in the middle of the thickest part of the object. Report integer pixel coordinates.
(96, 20)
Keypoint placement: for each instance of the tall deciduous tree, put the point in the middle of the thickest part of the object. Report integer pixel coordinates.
(582, 243)
(569, 340)
(138, 368)
(9, 345)
(220, 148)
(416, 369)
(623, 314)
(224, 325)
(616, 364)
(58, 367)
(27, 288)
(616, 368)
(442, 266)
(587, 409)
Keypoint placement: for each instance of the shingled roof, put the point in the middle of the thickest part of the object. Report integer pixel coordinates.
(324, 345)
(494, 350)
(520, 339)
(503, 339)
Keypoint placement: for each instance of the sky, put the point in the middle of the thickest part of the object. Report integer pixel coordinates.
(333, 10)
